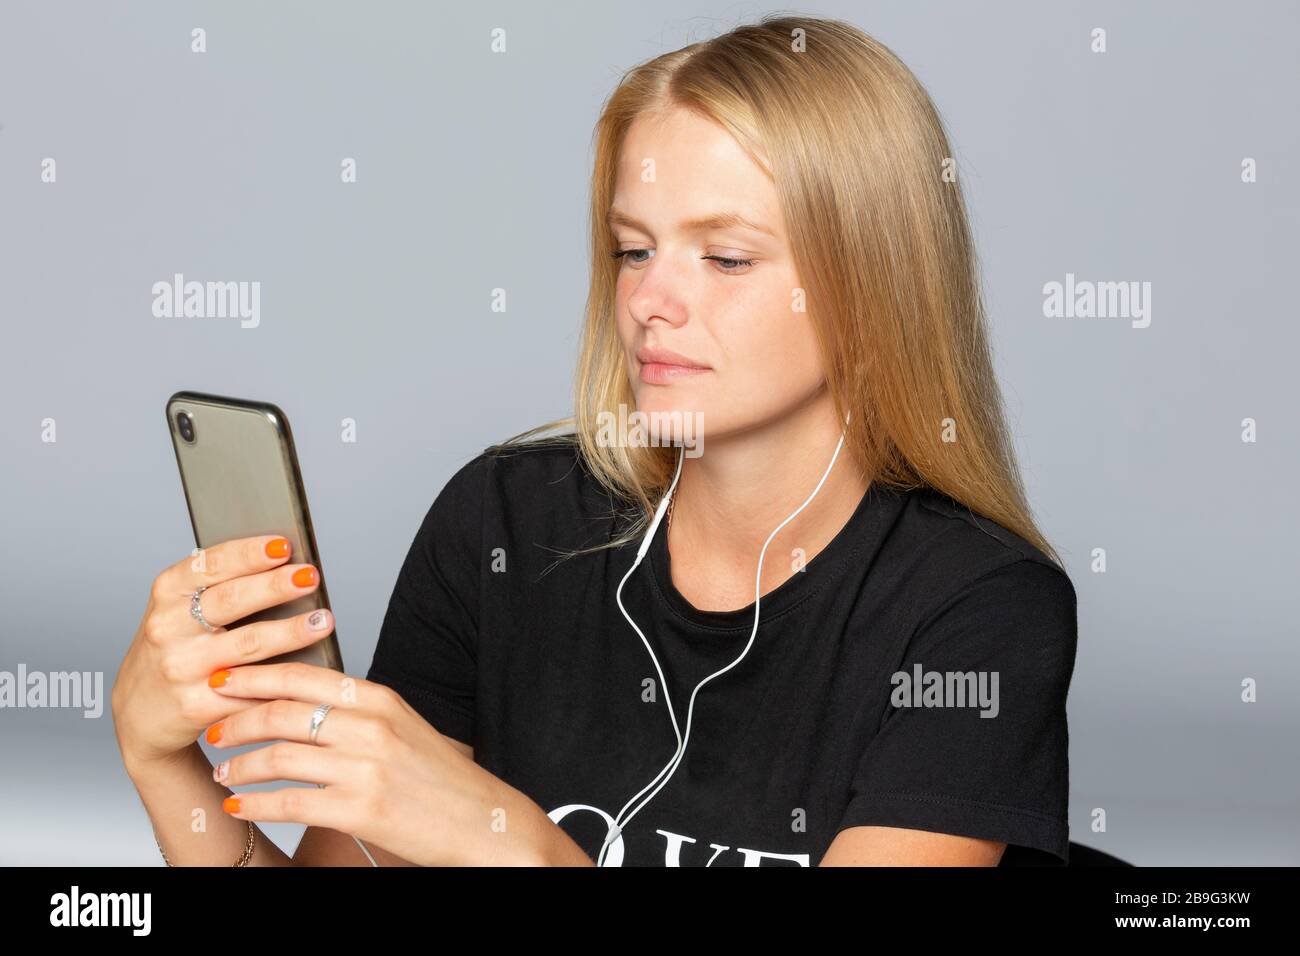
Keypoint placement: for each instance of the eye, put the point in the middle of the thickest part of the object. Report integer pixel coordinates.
(730, 265)
(725, 263)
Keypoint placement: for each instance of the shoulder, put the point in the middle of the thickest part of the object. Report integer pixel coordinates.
(551, 460)
(524, 466)
(963, 562)
(540, 490)
(973, 536)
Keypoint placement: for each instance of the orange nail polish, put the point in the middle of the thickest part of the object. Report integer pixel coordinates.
(230, 804)
(214, 732)
(219, 678)
(277, 548)
(305, 577)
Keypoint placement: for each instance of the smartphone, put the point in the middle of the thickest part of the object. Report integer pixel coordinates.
(241, 478)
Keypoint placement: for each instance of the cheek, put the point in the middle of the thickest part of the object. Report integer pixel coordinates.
(768, 343)
(624, 324)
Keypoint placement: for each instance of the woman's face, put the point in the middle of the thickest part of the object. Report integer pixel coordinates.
(719, 293)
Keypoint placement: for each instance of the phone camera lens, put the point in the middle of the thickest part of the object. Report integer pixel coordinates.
(186, 426)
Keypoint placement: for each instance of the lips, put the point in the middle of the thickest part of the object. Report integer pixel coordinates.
(664, 366)
(649, 356)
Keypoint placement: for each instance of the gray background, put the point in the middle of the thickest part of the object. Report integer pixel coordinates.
(473, 174)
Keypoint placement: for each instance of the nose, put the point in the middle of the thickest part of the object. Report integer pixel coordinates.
(657, 292)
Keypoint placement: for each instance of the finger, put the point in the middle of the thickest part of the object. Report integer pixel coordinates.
(224, 712)
(329, 807)
(262, 639)
(221, 562)
(237, 598)
(296, 680)
(291, 720)
(286, 761)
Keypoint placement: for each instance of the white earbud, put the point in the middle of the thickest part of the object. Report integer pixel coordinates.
(621, 822)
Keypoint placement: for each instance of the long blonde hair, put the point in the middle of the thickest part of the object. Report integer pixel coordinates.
(880, 239)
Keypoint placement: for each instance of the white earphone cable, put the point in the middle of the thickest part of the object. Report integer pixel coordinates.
(671, 767)
(366, 852)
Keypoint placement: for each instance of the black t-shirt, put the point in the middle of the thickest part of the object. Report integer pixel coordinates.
(527, 658)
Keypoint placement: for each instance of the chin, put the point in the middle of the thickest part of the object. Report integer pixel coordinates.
(670, 406)
(661, 401)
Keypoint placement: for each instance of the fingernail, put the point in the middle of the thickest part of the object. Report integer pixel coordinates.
(219, 678)
(305, 577)
(318, 621)
(277, 548)
(214, 732)
(230, 804)
(221, 771)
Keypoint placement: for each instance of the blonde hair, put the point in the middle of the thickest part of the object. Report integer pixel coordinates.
(880, 239)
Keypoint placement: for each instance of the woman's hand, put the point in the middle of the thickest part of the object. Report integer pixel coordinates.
(161, 700)
(389, 778)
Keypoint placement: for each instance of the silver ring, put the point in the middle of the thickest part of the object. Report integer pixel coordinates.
(196, 611)
(318, 718)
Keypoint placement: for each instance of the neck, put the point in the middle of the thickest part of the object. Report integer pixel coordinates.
(729, 500)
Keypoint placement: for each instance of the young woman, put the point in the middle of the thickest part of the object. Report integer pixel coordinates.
(845, 642)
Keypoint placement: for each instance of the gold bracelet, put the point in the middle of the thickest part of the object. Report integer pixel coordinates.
(243, 859)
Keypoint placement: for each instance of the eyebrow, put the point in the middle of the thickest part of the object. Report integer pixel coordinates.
(720, 220)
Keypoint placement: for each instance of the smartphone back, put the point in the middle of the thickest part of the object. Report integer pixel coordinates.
(241, 478)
